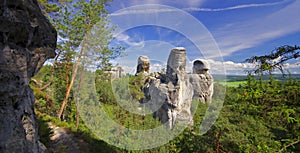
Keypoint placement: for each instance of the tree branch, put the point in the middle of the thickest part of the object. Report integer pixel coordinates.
(52, 72)
(284, 148)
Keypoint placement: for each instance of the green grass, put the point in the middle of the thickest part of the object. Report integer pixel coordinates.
(233, 83)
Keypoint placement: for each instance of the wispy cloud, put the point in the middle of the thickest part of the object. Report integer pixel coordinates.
(194, 3)
(164, 2)
(137, 11)
(122, 4)
(126, 39)
(235, 7)
(248, 34)
(231, 37)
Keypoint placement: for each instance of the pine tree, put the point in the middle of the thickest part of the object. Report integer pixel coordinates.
(274, 60)
(85, 32)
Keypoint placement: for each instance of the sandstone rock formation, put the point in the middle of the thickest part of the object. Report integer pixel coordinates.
(116, 72)
(27, 39)
(200, 67)
(201, 81)
(143, 64)
(170, 95)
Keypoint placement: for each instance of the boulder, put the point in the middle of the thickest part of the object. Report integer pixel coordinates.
(27, 40)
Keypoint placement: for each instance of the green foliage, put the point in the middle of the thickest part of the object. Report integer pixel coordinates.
(84, 37)
(44, 130)
(136, 84)
(82, 133)
(110, 90)
(258, 116)
(276, 105)
(130, 120)
(104, 88)
(85, 23)
(48, 6)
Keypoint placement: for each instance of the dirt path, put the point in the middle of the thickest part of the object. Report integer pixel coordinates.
(64, 141)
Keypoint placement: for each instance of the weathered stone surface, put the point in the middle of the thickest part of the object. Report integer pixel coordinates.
(143, 65)
(116, 72)
(203, 86)
(27, 39)
(202, 81)
(176, 63)
(200, 67)
(170, 95)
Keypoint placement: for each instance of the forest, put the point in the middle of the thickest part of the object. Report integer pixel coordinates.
(260, 112)
(259, 116)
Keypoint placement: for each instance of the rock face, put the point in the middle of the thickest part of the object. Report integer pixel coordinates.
(27, 39)
(200, 67)
(143, 65)
(201, 81)
(116, 72)
(170, 95)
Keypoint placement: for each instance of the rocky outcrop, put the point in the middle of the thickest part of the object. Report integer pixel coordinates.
(170, 95)
(27, 39)
(116, 72)
(143, 65)
(201, 81)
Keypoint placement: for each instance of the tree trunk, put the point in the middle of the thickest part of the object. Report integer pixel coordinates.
(78, 96)
(64, 103)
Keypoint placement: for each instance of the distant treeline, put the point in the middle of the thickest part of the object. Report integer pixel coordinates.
(233, 78)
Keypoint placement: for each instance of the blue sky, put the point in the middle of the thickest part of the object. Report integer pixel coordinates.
(224, 33)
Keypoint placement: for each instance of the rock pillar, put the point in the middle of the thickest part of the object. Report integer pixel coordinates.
(176, 63)
(143, 65)
(202, 81)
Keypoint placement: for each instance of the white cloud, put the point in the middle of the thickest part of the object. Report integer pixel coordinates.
(157, 52)
(164, 2)
(252, 33)
(156, 68)
(194, 7)
(126, 39)
(231, 37)
(292, 66)
(230, 67)
(141, 11)
(179, 3)
(234, 7)
(189, 3)
(218, 67)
